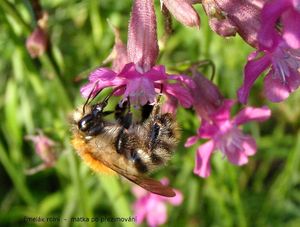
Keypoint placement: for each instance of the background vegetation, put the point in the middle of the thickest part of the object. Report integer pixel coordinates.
(39, 94)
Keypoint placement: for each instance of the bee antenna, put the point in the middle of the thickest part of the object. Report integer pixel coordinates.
(90, 98)
(111, 94)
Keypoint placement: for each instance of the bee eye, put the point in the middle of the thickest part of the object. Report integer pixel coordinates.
(85, 123)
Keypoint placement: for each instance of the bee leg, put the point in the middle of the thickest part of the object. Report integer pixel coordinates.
(124, 119)
(127, 121)
(123, 134)
(146, 111)
(150, 110)
(105, 113)
(120, 111)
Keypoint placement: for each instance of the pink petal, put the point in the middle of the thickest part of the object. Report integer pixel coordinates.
(99, 79)
(217, 21)
(274, 89)
(245, 15)
(270, 14)
(177, 199)
(170, 106)
(99, 85)
(179, 92)
(207, 130)
(142, 46)
(140, 91)
(296, 4)
(293, 80)
(252, 114)
(129, 71)
(223, 27)
(191, 141)
(139, 192)
(236, 156)
(208, 99)
(252, 71)
(165, 181)
(156, 73)
(85, 90)
(157, 213)
(223, 113)
(183, 11)
(202, 165)
(291, 32)
(140, 210)
(249, 145)
(101, 74)
(185, 80)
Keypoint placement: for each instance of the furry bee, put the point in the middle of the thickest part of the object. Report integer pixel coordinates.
(131, 149)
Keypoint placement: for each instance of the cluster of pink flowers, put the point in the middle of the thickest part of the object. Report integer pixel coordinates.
(278, 52)
(269, 26)
(45, 149)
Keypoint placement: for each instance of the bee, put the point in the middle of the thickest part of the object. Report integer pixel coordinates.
(130, 148)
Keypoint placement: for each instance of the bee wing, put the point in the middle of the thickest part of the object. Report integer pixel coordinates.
(152, 185)
(147, 183)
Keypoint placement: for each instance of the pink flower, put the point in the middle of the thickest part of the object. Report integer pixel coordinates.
(152, 207)
(183, 11)
(142, 46)
(288, 11)
(36, 43)
(218, 21)
(44, 147)
(208, 98)
(223, 134)
(139, 79)
(279, 51)
(228, 17)
(170, 105)
(140, 87)
(283, 77)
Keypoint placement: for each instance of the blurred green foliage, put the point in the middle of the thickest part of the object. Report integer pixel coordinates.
(39, 94)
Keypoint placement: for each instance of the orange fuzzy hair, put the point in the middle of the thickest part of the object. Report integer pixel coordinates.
(84, 151)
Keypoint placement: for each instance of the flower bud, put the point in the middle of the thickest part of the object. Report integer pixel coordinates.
(36, 43)
(142, 46)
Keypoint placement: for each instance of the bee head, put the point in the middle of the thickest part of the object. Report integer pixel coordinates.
(95, 115)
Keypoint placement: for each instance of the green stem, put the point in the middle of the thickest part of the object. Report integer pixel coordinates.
(16, 178)
(117, 198)
(81, 191)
